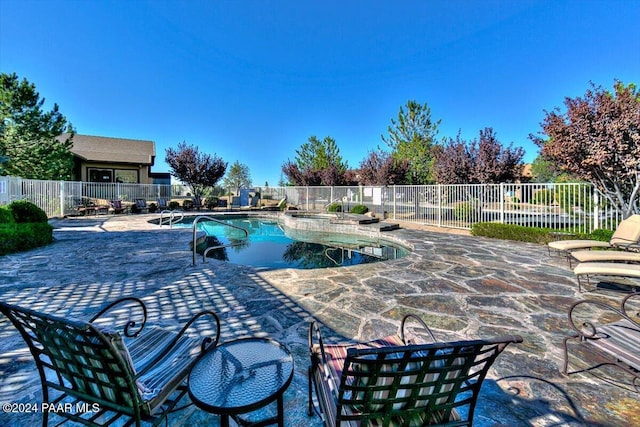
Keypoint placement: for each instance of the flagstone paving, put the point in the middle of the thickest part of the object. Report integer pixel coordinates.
(463, 286)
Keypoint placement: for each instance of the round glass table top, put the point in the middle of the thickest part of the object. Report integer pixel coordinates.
(240, 375)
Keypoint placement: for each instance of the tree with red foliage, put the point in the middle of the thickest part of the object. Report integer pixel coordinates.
(483, 161)
(381, 168)
(597, 139)
(195, 169)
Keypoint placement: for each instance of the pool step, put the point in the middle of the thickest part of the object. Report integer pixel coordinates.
(388, 226)
(366, 221)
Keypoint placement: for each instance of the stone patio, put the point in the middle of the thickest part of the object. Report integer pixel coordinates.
(463, 286)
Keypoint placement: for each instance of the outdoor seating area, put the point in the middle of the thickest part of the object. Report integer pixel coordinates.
(620, 257)
(463, 288)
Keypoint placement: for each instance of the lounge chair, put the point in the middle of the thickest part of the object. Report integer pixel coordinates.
(141, 206)
(95, 206)
(235, 202)
(613, 338)
(118, 207)
(162, 204)
(616, 269)
(606, 256)
(197, 203)
(122, 370)
(399, 380)
(626, 236)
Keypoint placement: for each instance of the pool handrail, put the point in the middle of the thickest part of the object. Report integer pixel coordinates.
(209, 218)
(172, 215)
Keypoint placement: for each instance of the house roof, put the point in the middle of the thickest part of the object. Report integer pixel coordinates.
(112, 150)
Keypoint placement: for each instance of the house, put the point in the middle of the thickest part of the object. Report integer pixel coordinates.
(104, 159)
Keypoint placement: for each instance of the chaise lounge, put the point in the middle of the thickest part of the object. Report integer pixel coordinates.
(606, 256)
(616, 269)
(626, 236)
(613, 337)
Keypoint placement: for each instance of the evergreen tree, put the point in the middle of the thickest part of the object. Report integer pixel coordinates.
(412, 138)
(237, 177)
(31, 145)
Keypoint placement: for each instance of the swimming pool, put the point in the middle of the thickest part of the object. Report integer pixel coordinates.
(269, 247)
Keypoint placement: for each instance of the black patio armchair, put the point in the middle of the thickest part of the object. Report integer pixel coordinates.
(119, 370)
(399, 380)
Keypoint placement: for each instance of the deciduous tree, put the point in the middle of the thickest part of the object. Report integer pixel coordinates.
(195, 169)
(381, 168)
(411, 138)
(597, 139)
(481, 161)
(30, 142)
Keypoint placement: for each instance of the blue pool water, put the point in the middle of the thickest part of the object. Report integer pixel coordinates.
(269, 247)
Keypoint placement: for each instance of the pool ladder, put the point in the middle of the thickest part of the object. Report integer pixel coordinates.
(206, 251)
(172, 217)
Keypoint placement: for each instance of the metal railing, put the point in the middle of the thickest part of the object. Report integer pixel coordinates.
(172, 217)
(573, 206)
(194, 227)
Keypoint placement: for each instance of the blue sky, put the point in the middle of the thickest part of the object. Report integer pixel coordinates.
(251, 81)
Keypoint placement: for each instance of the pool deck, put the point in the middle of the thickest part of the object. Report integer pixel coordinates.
(463, 286)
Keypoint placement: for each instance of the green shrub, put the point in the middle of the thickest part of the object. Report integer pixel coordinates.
(25, 211)
(24, 236)
(211, 203)
(512, 232)
(359, 209)
(6, 216)
(187, 204)
(153, 207)
(173, 205)
(531, 234)
(600, 234)
(464, 211)
(335, 207)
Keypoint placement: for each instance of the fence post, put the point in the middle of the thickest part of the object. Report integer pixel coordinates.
(502, 196)
(439, 187)
(62, 198)
(393, 200)
(596, 209)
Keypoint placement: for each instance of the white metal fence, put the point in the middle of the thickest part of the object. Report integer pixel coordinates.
(576, 207)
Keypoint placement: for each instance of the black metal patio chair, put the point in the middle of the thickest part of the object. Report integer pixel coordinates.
(122, 373)
(399, 380)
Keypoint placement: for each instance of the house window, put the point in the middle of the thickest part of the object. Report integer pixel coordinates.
(100, 175)
(127, 176)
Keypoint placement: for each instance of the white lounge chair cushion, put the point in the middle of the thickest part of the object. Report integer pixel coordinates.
(608, 269)
(613, 255)
(567, 245)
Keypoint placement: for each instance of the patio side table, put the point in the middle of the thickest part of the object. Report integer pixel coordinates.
(242, 376)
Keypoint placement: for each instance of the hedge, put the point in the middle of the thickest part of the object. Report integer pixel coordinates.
(24, 236)
(530, 234)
